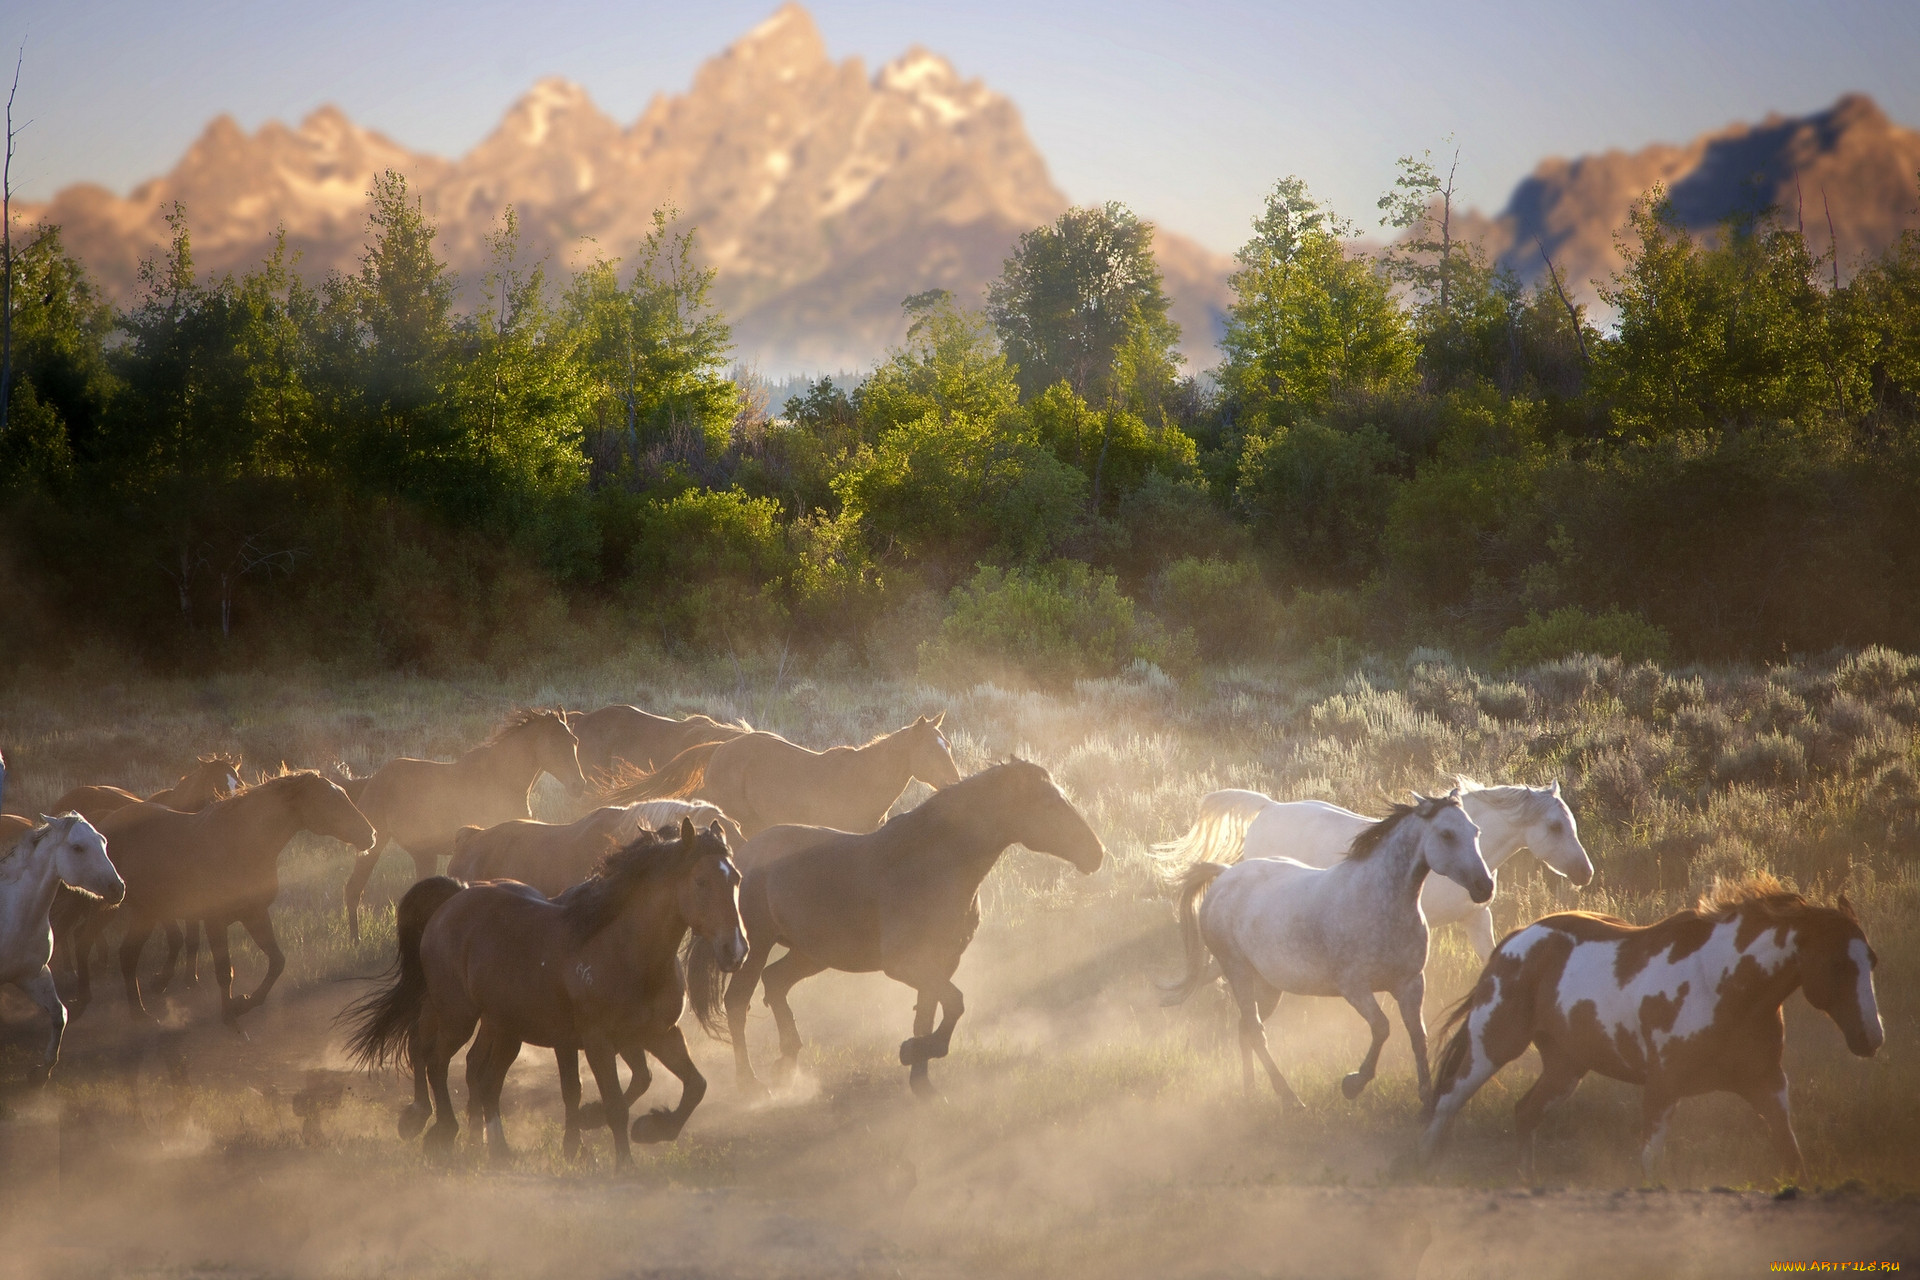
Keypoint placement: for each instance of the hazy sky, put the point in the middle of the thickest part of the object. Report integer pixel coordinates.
(1187, 112)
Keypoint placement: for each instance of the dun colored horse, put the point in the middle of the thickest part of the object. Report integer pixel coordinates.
(421, 804)
(1275, 925)
(1687, 1006)
(596, 971)
(220, 866)
(554, 856)
(621, 737)
(903, 901)
(761, 780)
(60, 851)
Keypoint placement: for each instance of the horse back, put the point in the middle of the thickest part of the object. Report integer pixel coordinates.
(424, 802)
(94, 802)
(826, 899)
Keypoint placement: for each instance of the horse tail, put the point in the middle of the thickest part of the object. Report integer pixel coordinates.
(706, 987)
(383, 1021)
(677, 779)
(1201, 968)
(1218, 834)
(1455, 1038)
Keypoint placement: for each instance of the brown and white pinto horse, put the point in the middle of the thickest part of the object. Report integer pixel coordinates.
(1686, 1006)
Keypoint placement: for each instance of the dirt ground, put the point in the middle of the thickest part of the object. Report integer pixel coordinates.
(191, 1151)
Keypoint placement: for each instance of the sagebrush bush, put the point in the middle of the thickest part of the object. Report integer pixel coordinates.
(1614, 633)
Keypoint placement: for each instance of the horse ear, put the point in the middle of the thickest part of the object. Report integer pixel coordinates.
(1846, 909)
(940, 719)
(1554, 790)
(686, 828)
(715, 830)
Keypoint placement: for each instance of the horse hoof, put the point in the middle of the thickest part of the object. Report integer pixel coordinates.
(439, 1141)
(913, 1052)
(923, 1089)
(753, 1088)
(591, 1115)
(655, 1126)
(570, 1145)
(1352, 1085)
(412, 1121)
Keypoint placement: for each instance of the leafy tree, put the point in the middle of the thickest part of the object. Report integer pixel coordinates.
(62, 384)
(1074, 293)
(1308, 319)
(1319, 496)
(948, 366)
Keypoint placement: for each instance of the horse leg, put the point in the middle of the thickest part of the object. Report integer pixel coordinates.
(594, 1116)
(448, 1035)
(1559, 1077)
(1656, 1109)
(919, 1050)
(363, 865)
(171, 929)
(777, 981)
(605, 1065)
(1412, 998)
(138, 931)
(191, 931)
(1479, 926)
(221, 948)
(500, 1059)
(739, 1000)
(414, 1116)
(1368, 1008)
(567, 1061)
(924, 1009)
(1257, 999)
(1770, 1100)
(660, 1124)
(259, 927)
(1492, 1043)
(477, 1053)
(39, 987)
(80, 953)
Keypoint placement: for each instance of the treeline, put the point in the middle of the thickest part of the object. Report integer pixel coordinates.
(1394, 449)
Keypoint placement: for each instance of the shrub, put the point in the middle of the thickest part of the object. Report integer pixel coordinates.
(1223, 602)
(1313, 617)
(1771, 759)
(707, 567)
(1054, 624)
(1570, 630)
(1320, 496)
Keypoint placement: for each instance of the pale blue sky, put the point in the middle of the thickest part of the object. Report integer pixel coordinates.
(1187, 112)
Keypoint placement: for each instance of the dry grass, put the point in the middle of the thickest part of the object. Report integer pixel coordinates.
(1087, 1130)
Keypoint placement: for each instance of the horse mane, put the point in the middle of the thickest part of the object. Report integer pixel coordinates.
(597, 901)
(219, 757)
(959, 794)
(1513, 799)
(274, 776)
(1762, 891)
(519, 718)
(37, 831)
(1374, 836)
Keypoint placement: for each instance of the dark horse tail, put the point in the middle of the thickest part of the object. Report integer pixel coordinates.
(381, 1023)
(1200, 966)
(1455, 1038)
(706, 986)
(677, 779)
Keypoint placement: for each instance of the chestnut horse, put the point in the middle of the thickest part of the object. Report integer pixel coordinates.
(760, 779)
(554, 856)
(903, 900)
(1686, 1006)
(598, 970)
(421, 804)
(220, 866)
(212, 777)
(622, 737)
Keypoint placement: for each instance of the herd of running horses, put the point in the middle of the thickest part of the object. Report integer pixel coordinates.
(710, 846)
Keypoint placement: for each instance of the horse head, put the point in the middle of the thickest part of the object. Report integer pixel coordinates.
(556, 748)
(710, 894)
(929, 757)
(1450, 843)
(1046, 822)
(324, 808)
(1554, 836)
(80, 858)
(1836, 972)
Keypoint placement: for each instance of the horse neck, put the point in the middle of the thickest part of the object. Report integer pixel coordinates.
(976, 837)
(1781, 983)
(875, 774)
(261, 820)
(26, 892)
(647, 934)
(1502, 834)
(510, 764)
(1398, 866)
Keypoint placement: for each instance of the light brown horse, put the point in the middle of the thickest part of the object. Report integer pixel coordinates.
(220, 866)
(619, 738)
(761, 780)
(212, 777)
(421, 804)
(596, 971)
(209, 779)
(1686, 1006)
(903, 901)
(554, 856)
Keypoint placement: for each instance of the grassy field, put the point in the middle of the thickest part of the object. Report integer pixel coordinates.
(1086, 1130)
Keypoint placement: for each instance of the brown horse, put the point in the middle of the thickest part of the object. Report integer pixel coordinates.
(1687, 1006)
(550, 856)
(622, 737)
(761, 779)
(421, 804)
(220, 866)
(596, 971)
(903, 900)
(212, 777)
(209, 779)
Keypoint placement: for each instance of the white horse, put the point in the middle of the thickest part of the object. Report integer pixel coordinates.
(64, 850)
(1234, 824)
(1349, 930)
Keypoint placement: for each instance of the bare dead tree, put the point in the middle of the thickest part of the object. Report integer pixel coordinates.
(1833, 237)
(1573, 315)
(252, 554)
(6, 249)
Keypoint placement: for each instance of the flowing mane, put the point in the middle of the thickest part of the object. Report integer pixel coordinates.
(1513, 799)
(519, 719)
(1763, 890)
(1376, 835)
(597, 901)
(282, 772)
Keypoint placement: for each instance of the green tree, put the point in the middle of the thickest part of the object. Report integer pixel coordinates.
(1076, 292)
(1308, 319)
(60, 329)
